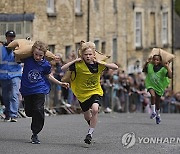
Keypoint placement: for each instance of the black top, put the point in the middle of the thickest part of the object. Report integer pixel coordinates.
(156, 68)
(93, 68)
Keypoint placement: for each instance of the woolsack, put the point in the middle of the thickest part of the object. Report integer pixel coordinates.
(98, 55)
(166, 56)
(23, 49)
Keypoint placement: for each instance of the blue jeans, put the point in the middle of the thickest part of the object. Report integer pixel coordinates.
(10, 94)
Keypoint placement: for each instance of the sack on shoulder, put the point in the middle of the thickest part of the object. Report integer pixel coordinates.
(69, 76)
(166, 56)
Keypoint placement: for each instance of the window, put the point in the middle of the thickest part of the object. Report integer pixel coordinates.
(28, 27)
(103, 47)
(50, 6)
(115, 6)
(18, 28)
(96, 42)
(11, 26)
(77, 45)
(67, 51)
(20, 23)
(51, 48)
(115, 50)
(78, 6)
(138, 29)
(96, 5)
(165, 28)
(152, 28)
(3, 29)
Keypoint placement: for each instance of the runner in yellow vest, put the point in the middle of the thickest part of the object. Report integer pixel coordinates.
(86, 85)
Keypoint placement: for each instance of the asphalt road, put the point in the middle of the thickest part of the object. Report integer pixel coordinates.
(116, 133)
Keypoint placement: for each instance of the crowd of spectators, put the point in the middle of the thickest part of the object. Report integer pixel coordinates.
(123, 92)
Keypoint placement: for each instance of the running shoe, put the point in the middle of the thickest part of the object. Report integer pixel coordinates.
(88, 139)
(7, 119)
(158, 119)
(13, 119)
(153, 115)
(34, 139)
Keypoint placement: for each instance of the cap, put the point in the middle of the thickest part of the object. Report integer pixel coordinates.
(10, 33)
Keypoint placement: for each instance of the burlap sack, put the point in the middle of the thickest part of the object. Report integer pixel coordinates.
(50, 56)
(19, 43)
(23, 52)
(166, 56)
(67, 76)
(100, 56)
(23, 49)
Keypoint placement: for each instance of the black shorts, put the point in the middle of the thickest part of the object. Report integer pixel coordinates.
(154, 91)
(86, 105)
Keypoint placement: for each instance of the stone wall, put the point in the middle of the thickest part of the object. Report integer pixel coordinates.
(66, 28)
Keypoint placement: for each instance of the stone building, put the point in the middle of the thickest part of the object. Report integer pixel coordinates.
(127, 30)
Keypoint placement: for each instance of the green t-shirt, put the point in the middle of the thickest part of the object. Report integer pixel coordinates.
(156, 80)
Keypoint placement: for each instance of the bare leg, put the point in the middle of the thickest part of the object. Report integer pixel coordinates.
(95, 109)
(87, 115)
(153, 101)
(153, 96)
(158, 102)
(92, 116)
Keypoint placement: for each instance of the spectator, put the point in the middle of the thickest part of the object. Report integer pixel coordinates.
(10, 76)
(67, 94)
(107, 90)
(116, 92)
(176, 101)
(166, 100)
(58, 73)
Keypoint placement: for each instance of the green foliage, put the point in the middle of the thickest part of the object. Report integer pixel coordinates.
(177, 7)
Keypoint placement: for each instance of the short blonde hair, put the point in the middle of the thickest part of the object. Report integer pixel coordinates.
(40, 46)
(86, 45)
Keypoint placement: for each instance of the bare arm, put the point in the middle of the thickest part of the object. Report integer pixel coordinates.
(54, 80)
(166, 65)
(145, 65)
(66, 66)
(110, 65)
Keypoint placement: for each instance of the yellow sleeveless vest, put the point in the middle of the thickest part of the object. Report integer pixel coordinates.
(86, 83)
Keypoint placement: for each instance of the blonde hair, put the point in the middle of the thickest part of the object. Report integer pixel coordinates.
(86, 45)
(98, 55)
(40, 46)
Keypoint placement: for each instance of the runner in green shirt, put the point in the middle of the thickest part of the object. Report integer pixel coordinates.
(157, 79)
